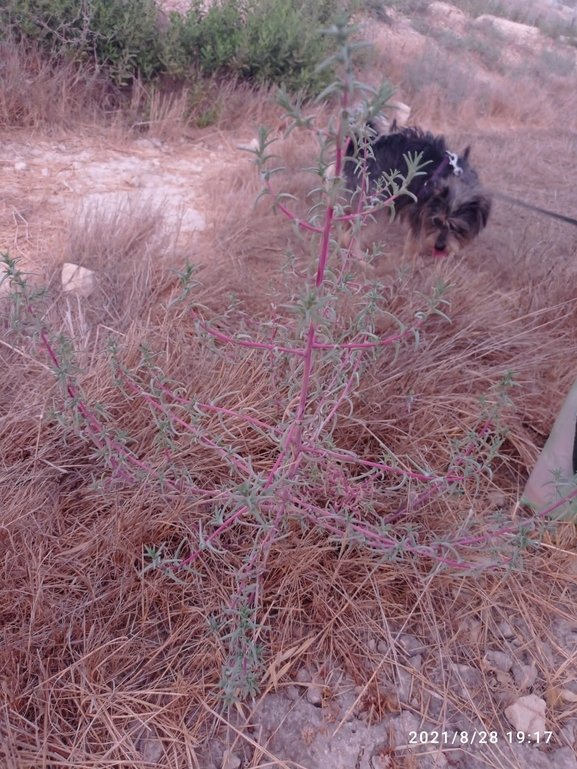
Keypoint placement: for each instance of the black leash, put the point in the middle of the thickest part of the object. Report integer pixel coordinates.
(516, 202)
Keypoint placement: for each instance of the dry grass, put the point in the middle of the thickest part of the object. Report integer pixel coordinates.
(34, 93)
(102, 666)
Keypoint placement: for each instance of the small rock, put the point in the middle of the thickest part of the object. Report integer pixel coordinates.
(547, 651)
(44, 172)
(527, 714)
(383, 647)
(315, 692)
(303, 676)
(471, 677)
(402, 726)
(524, 675)
(411, 644)
(292, 693)
(504, 679)
(456, 758)
(416, 661)
(471, 630)
(506, 630)
(372, 644)
(253, 144)
(76, 279)
(135, 181)
(405, 685)
(568, 695)
(495, 660)
(20, 165)
(231, 761)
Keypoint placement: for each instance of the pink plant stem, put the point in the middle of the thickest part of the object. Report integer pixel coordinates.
(242, 468)
(223, 526)
(290, 215)
(94, 426)
(244, 343)
(321, 517)
(377, 465)
(370, 345)
(314, 345)
(220, 410)
(97, 430)
(439, 484)
(341, 398)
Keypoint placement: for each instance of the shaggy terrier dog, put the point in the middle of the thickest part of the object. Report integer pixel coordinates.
(447, 208)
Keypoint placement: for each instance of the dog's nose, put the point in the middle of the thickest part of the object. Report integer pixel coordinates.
(441, 242)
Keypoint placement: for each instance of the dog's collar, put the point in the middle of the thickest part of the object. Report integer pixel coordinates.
(453, 162)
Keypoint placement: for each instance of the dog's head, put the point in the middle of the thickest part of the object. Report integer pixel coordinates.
(452, 216)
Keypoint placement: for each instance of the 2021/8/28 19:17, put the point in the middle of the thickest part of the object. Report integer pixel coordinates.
(477, 737)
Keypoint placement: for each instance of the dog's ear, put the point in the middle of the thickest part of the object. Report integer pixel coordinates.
(475, 212)
(466, 153)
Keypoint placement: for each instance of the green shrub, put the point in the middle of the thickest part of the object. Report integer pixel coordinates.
(120, 36)
(261, 41)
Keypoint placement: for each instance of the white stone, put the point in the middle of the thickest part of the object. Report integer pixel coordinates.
(506, 629)
(253, 144)
(495, 660)
(524, 675)
(568, 695)
(77, 280)
(20, 165)
(527, 714)
(315, 694)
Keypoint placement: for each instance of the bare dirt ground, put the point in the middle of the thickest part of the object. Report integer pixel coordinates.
(415, 681)
(46, 184)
